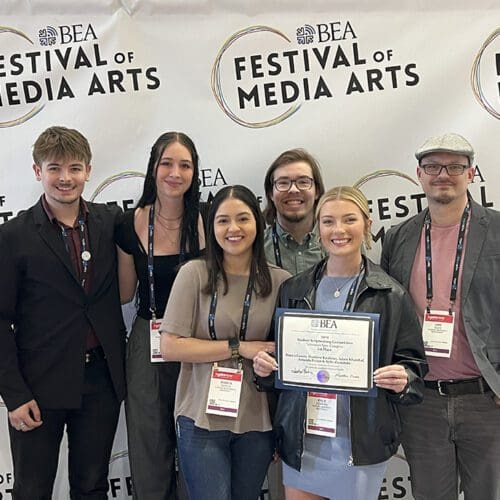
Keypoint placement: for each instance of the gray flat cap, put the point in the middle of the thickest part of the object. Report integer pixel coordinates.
(447, 143)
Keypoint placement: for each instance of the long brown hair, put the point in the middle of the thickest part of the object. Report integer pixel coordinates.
(215, 255)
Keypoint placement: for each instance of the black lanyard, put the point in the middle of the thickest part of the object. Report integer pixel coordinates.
(84, 251)
(244, 314)
(458, 258)
(276, 246)
(349, 303)
(151, 276)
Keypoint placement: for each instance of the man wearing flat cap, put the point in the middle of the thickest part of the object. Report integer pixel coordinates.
(448, 257)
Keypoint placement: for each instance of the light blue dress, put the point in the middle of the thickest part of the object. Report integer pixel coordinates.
(325, 463)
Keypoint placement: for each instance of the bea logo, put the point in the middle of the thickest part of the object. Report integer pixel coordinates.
(69, 33)
(328, 323)
(324, 323)
(336, 31)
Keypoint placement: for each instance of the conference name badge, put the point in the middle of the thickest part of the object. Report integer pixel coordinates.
(154, 341)
(225, 390)
(437, 332)
(322, 414)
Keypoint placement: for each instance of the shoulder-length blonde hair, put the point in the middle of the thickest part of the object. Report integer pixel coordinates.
(354, 195)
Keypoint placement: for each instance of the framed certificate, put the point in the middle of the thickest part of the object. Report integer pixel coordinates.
(327, 352)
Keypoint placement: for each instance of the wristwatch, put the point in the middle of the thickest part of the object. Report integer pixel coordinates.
(234, 345)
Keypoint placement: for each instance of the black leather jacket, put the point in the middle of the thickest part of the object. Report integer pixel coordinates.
(375, 424)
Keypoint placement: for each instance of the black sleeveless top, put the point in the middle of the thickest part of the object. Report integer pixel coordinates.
(165, 266)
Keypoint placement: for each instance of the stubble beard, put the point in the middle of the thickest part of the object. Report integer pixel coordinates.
(442, 198)
(293, 218)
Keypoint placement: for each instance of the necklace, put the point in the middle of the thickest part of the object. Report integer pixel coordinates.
(337, 291)
(168, 219)
(166, 227)
(167, 233)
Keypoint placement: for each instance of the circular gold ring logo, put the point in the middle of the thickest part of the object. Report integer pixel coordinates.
(114, 178)
(382, 173)
(217, 85)
(475, 77)
(36, 109)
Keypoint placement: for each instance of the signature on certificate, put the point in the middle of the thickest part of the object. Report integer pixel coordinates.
(301, 371)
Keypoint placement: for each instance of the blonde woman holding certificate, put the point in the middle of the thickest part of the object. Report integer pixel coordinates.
(349, 460)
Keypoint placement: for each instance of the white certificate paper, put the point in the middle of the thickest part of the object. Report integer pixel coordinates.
(326, 352)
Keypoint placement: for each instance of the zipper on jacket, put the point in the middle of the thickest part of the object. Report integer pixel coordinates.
(303, 435)
(350, 463)
(361, 289)
(304, 424)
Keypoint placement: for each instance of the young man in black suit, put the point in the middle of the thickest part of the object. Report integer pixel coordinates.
(62, 335)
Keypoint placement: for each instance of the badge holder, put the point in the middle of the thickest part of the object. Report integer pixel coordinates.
(154, 341)
(437, 333)
(225, 391)
(321, 414)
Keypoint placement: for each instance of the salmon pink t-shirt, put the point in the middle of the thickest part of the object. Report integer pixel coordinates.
(461, 363)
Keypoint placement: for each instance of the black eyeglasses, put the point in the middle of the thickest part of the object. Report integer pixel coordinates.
(302, 183)
(437, 168)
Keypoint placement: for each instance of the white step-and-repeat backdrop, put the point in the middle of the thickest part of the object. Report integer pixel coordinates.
(358, 84)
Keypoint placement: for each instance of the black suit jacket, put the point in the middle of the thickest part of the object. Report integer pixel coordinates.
(45, 314)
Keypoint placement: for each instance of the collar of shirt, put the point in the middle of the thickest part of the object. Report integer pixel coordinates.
(286, 236)
(46, 207)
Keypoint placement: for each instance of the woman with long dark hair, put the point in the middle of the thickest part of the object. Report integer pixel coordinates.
(164, 230)
(216, 320)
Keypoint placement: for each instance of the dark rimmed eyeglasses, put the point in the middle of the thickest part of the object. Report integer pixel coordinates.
(302, 183)
(436, 168)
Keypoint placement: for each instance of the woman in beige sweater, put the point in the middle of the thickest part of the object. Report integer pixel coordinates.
(217, 319)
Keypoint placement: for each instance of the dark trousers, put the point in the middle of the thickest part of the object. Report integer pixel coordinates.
(90, 430)
(450, 437)
(149, 408)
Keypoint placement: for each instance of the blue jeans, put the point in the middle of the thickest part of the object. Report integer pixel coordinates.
(447, 437)
(223, 465)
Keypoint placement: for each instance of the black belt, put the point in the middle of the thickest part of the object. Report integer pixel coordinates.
(459, 387)
(94, 354)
